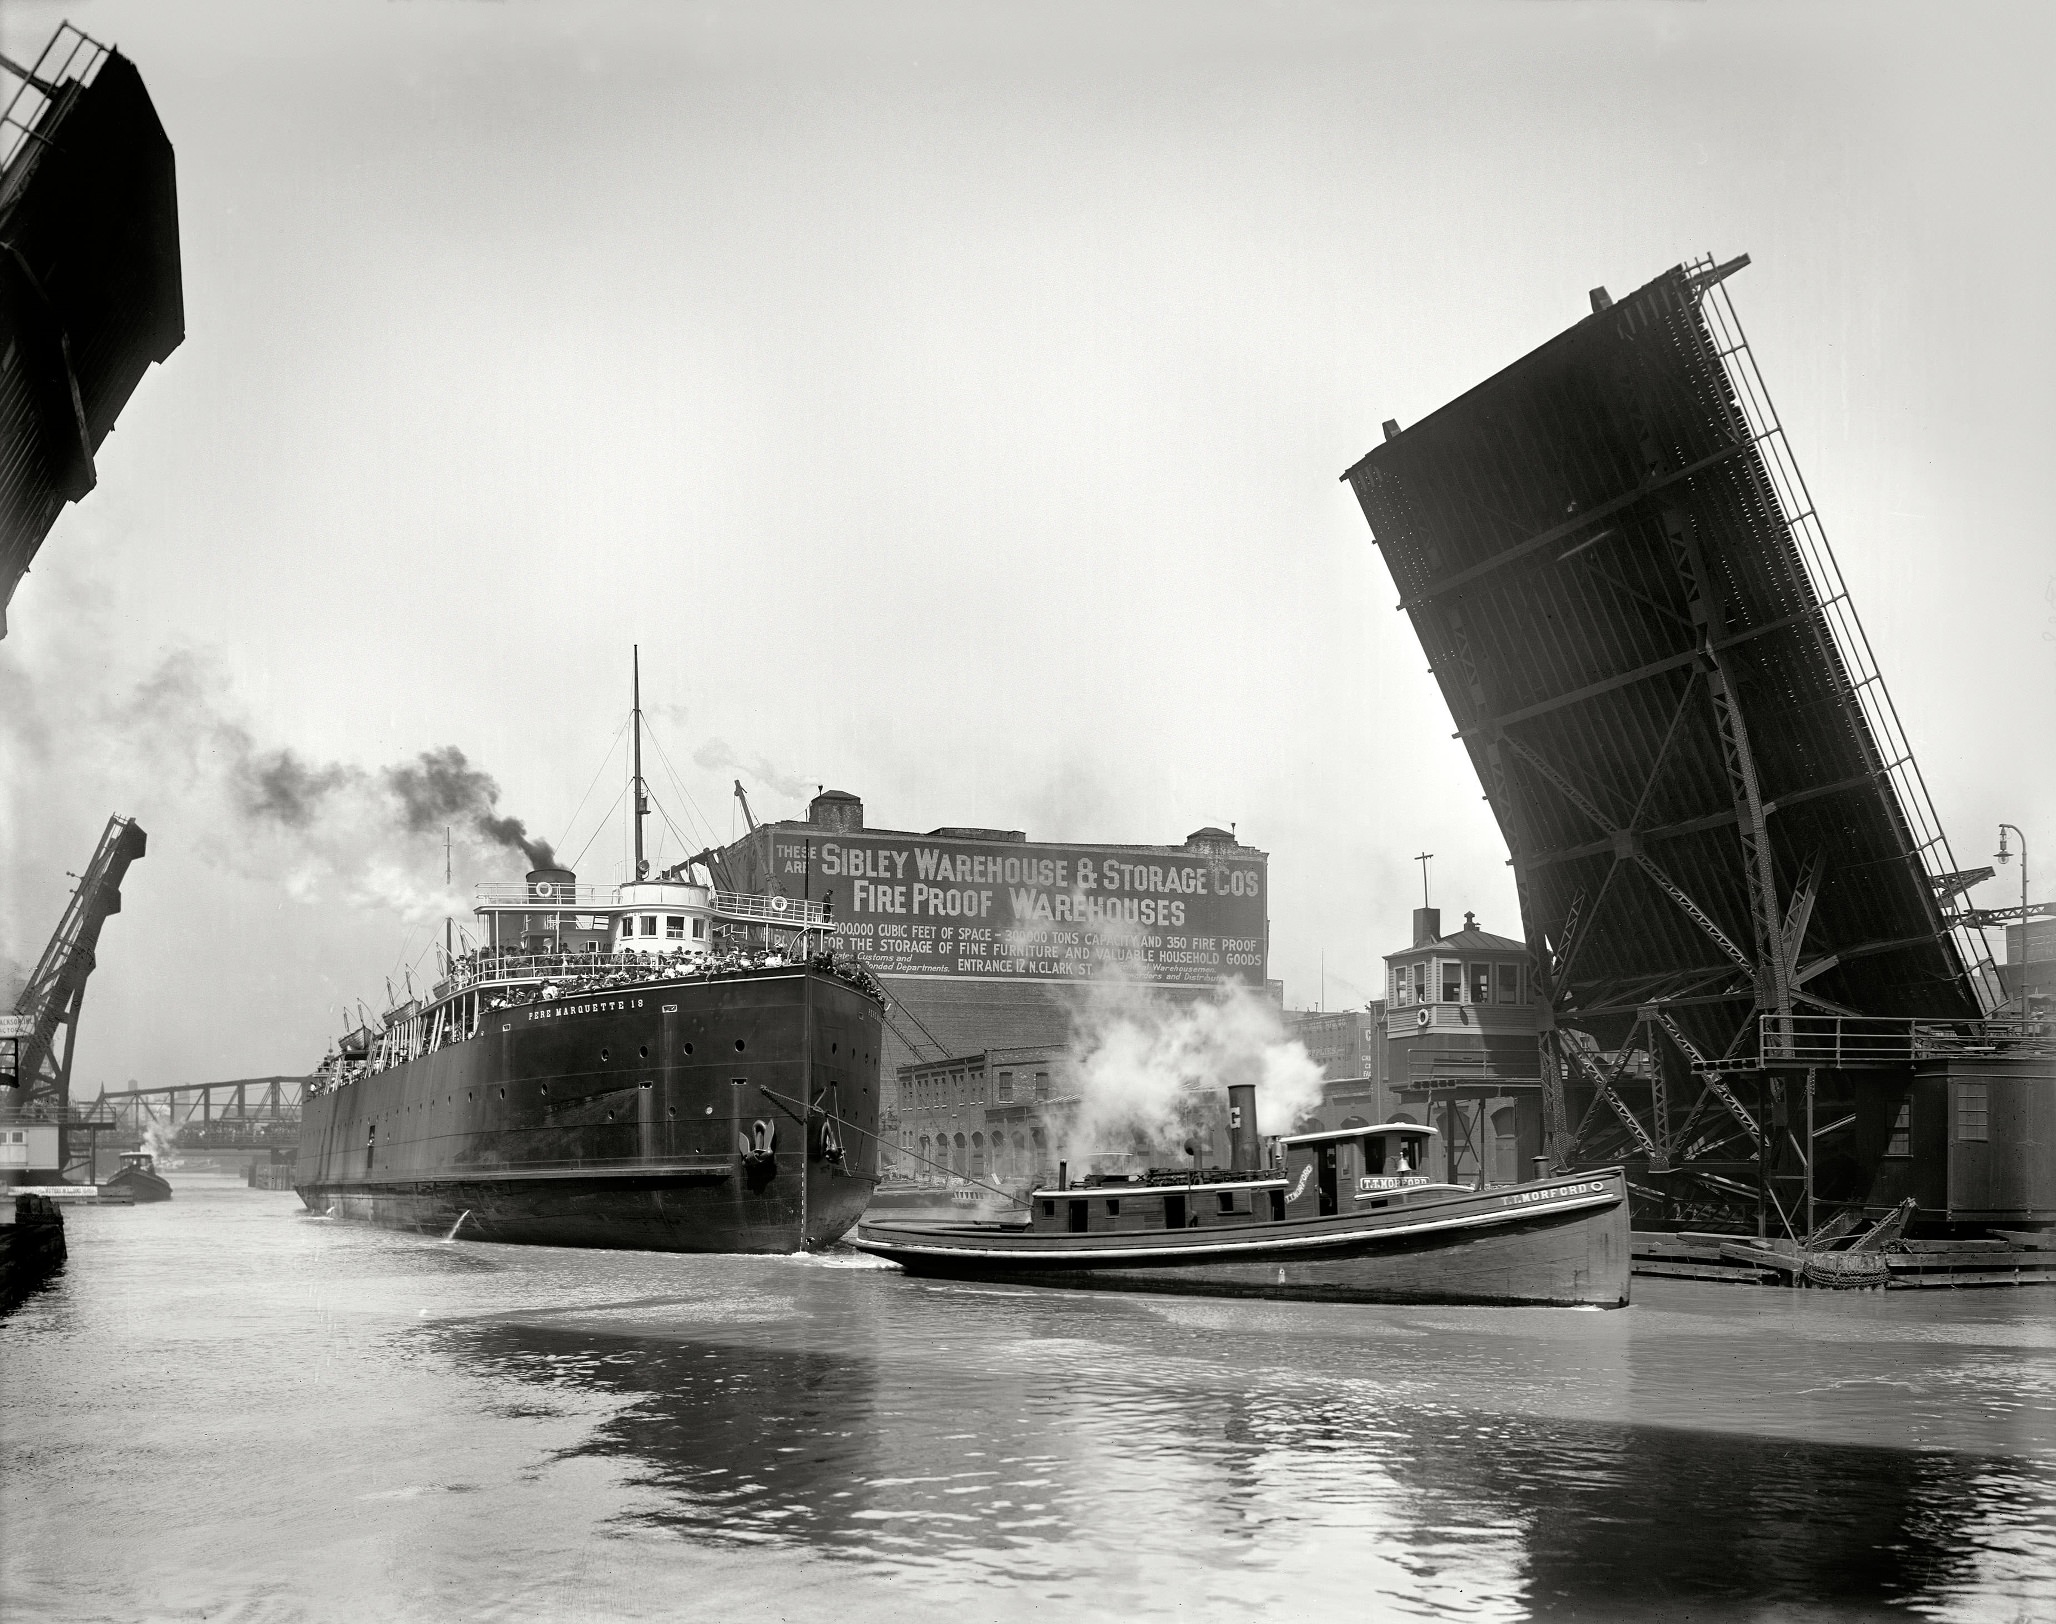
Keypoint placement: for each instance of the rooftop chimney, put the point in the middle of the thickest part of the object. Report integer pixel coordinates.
(1391, 428)
(1601, 300)
(837, 811)
(1427, 926)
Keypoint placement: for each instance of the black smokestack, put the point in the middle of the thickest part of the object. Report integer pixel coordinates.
(440, 786)
(1245, 1146)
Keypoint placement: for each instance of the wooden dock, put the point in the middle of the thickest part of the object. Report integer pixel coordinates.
(2015, 1258)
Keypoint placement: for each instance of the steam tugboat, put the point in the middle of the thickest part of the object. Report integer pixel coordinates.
(1348, 1216)
(139, 1179)
(660, 1065)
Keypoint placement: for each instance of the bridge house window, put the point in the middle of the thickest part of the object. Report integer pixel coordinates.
(699, 930)
(1401, 986)
(1481, 983)
(1452, 980)
(1509, 983)
(649, 925)
(1421, 982)
(1972, 1112)
(674, 927)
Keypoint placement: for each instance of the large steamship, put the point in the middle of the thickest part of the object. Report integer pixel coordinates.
(661, 1064)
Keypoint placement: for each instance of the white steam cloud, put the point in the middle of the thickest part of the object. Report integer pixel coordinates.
(1153, 1069)
(716, 755)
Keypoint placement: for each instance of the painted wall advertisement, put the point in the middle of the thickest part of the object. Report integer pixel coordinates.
(927, 905)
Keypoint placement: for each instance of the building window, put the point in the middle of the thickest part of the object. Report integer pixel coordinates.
(674, 927)
(1971, 1112)
(1509, 983)
(1902, 1131)
(1481, 983)
(1113, 1208)
(1452, 980)
(1041, 1090)
(1005, 1093)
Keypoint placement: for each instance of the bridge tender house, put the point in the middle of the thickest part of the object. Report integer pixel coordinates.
(915, 905)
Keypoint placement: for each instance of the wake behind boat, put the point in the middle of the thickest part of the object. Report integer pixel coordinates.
(1347, 1217)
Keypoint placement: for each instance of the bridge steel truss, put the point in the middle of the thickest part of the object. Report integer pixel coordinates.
(1713, 817)
(50, 1001)
(241, 1113)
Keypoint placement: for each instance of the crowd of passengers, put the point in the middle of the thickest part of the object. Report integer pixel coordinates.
(626, 969)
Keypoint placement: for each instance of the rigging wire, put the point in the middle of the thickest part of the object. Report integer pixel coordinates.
(671, 772)
(573, 823)
(595, 835)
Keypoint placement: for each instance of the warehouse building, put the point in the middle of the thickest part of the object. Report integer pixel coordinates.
(983, 938)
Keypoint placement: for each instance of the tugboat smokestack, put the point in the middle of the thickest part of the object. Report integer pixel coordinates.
(1245, 1149)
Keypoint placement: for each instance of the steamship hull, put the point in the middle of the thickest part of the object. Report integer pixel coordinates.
(1556, 1242)
(733, 1113)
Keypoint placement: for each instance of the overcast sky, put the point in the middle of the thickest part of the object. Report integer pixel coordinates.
(951, 401)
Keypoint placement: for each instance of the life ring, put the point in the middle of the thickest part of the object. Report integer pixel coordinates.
(1422, 1018)
(543, 888)
(778, 905)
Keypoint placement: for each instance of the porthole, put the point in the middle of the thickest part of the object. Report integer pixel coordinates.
(831, 1048)
(603, 1057)
(671, 1111)
(503, 1093)
(738, 1045)
(688, 1048)
(644, 1051)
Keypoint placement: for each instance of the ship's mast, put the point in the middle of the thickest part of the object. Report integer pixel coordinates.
(642, 800)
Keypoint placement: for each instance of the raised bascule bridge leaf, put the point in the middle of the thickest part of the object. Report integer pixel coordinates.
(1714, 820)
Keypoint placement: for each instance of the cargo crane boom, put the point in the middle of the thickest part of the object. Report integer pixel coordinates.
(748, 817)
(49, 1004)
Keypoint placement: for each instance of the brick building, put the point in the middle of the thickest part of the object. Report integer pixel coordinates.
(982, 937)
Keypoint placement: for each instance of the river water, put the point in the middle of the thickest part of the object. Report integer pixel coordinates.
(228, 1409)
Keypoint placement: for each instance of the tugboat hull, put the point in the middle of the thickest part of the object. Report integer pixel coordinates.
(702, 1114)
(1557, 1242)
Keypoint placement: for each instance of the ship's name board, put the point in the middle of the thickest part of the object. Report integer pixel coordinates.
(584, 1006)
(1387, 1181)
(917, 905)
(1523, 1198)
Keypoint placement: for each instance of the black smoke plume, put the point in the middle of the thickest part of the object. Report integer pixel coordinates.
(440, 786)
(281, 786)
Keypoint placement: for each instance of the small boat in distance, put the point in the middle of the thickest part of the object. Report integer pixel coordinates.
(139, 1179)
(1349, 1216)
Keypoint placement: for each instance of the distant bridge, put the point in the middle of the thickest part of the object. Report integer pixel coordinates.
(243, 1113)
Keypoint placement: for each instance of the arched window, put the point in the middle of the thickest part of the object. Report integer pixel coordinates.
(978, 1155)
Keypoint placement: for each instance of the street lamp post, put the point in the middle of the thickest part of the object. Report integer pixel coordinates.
(2004, 856)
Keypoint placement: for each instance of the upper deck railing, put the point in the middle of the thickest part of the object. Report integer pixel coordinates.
(1854, 1042)
(742, 907)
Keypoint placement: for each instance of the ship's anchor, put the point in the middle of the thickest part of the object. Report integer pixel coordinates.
(831, 1141)
(759, 1153)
